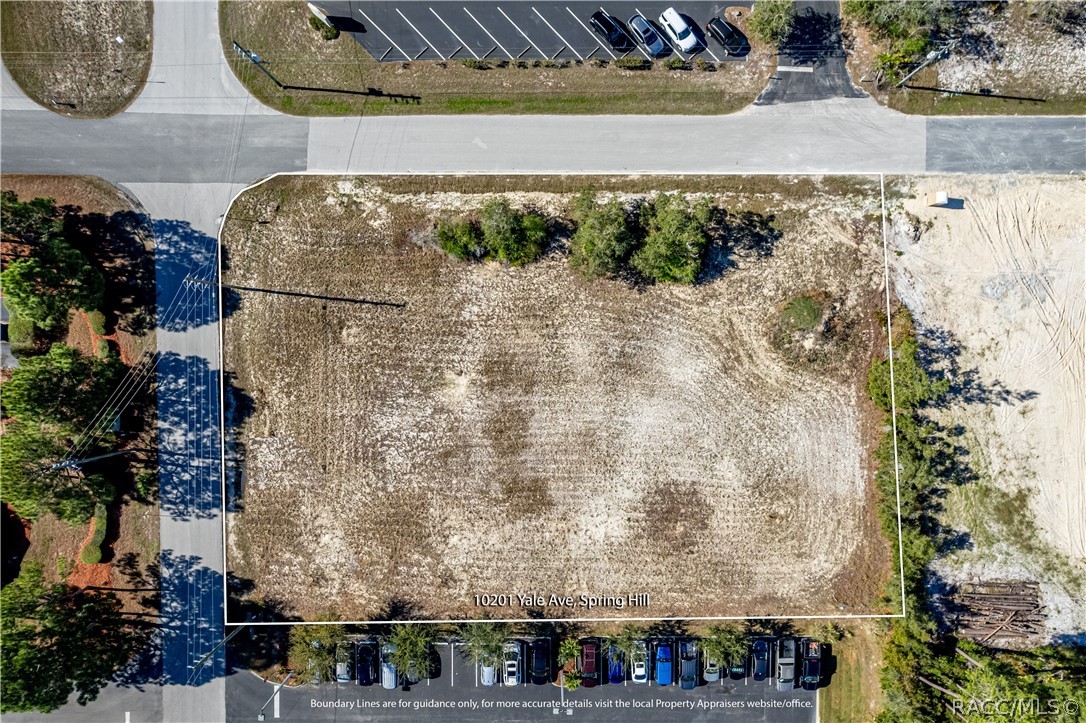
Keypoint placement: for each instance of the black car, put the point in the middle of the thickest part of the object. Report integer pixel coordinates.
(539, 662)
(761, 659)
(365, 663)
(728, 36)
(611, 30)
(738, 669)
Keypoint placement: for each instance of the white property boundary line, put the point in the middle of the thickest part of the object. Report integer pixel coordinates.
(222, 414)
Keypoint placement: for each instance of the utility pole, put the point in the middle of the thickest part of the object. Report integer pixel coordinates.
(260, 716)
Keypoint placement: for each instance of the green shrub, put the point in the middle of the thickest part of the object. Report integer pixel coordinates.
(568, 650)
(103, 348)
(631, 62)
(328, 32)
(603, 241)
(512, 236)
(20, 332)
(571, 680)
(459, 238)
(92, 551)
(97, 322)
(771, 21)
(147, 484)
(899, 20)
(64, 567)
(802, 312)
(475, 64)
(599, 63)
(676, 63)
(675, 242)
(704, 65)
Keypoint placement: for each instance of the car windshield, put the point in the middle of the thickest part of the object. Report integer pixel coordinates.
(684, 33)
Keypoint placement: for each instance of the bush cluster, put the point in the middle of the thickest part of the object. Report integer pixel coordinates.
(501, 233)
(631, 62)
(676, 63)
(328, 32)
(92, 551)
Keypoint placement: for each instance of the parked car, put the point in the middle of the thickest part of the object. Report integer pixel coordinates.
(616, 669)
(540, 662)
(761, 659)
(365, 660)
(688, 666)
(663, 664)
(679, 30)
(389, 677)
(589, 663)
(738, 669)
(488, 673)
(786, 664)
(511, 664)
(610, 29)
(729, 37)
(343, 664)
(812, 664)
(711, 669)
(642, 29)
(639, 663)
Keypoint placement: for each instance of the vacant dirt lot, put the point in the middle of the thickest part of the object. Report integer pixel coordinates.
(78, 57)
(522, 431)
(1002, 279)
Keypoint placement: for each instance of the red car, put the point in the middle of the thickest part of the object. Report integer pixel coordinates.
(589, 663)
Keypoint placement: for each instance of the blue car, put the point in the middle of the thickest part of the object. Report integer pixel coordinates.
(616, 672)
(663, 664)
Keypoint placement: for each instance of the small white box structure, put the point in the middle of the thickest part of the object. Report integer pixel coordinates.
(938, 198)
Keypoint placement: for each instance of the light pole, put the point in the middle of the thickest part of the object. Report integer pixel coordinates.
(260, 716)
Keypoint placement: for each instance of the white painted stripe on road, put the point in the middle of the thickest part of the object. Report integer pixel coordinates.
(421, 35)
(458, 38)
(452, 665)
(634, 42)
(519, 30)
(709, 51)
(367, 17)
(567, 43)
(795, 69)
(613, 56)
(275, 703)
(128, 716)
(488, 34)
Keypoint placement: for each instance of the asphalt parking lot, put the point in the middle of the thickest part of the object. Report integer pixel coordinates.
(455, 694)
(511, 30)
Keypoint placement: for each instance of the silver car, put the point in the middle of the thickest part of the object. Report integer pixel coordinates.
(647, 35)
(488, 674)
(389, 677)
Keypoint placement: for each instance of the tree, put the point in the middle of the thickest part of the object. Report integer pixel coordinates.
(30, 221)
(725, 643)
(312, 650)
(30, 486)
(55, 277)
(62, 387)
(627, 639)
(484, 641)
(568, 650)
(459, 238)
(511, 236)
(675, 241)
(602, 241)
(771, 20)
(414, 651)
(913, 386)
(57, 640)
(900, 20)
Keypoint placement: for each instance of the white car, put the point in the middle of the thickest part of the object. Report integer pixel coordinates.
(488, 674)
(511, 665)
(679, 30)
(639, 663)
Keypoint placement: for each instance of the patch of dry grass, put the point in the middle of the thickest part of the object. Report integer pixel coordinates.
(521, 431)
(66, 55)
(280, 32)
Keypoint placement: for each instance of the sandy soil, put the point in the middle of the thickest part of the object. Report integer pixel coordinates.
(520, 431)
(1004, 275)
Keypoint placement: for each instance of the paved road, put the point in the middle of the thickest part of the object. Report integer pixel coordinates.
(455, 695)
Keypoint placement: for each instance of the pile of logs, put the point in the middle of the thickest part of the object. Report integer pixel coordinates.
(1001, 613)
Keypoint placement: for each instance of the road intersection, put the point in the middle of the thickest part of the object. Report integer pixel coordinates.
(195, 138)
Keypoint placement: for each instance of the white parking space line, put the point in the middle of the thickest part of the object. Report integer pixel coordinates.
(707, 49)
(488, 34)
(533, 45)
(613, 56)
(367, 17)
(568, 45)
(795, 68)
(428, 43)
(452, 663)
(663, 35)
(458, 38)
(635, 43)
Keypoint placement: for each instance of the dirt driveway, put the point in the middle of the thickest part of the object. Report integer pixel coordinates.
(519, 431)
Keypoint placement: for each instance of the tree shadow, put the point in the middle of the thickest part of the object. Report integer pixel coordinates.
(257, 647)
(186, 276)
(815, 37)
(735, 237)
(772, 627)
(940, 354)
(668, 628)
